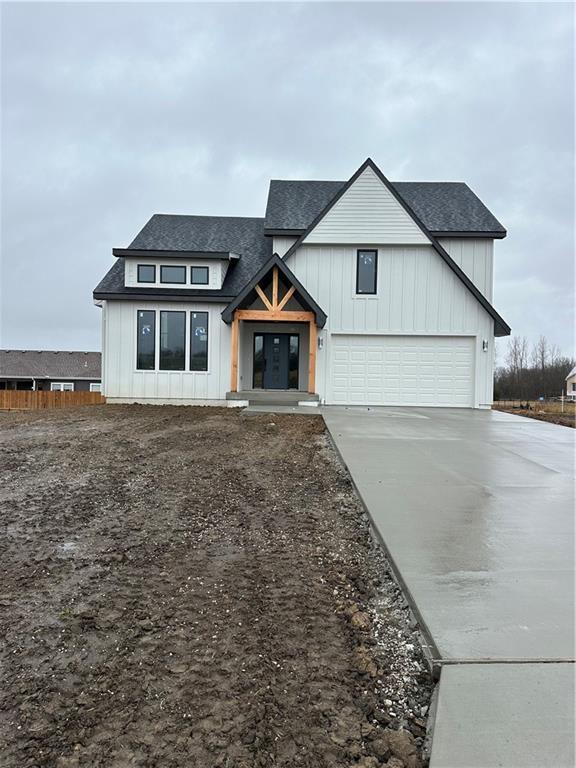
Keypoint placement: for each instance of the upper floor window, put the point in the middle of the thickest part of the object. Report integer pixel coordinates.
(199, 275)
(146, 273)
(366, 272)
(171, 274)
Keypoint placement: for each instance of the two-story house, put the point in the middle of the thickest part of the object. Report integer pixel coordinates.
(365, 292)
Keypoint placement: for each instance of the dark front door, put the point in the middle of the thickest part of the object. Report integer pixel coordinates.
(276, 360)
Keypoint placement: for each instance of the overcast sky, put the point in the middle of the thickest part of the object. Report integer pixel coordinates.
(112, 112)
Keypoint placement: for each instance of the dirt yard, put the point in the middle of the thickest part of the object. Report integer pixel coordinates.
(192, 587)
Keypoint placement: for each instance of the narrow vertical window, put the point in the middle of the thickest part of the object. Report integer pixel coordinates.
(146, 342)
(199, 341)
(366, 272)
(172, 341)
(293, 361)
(258, 362)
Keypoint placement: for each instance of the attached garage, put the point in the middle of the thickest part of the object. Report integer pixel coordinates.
(402, 370)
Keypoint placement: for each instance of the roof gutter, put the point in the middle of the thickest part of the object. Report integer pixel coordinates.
(162, 254)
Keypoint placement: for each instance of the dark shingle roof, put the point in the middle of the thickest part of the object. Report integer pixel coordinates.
(244, 236)
(442, 206)
(43, 364)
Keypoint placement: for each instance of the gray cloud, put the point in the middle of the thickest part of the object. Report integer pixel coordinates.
(111, 112)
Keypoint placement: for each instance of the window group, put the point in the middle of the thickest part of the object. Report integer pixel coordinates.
(161, 345)
(173, 274)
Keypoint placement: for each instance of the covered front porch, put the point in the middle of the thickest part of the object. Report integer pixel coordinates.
(274, 338)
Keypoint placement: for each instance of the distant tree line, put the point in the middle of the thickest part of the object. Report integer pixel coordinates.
(531, 373)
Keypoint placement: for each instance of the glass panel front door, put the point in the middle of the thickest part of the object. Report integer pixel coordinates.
(276, 357)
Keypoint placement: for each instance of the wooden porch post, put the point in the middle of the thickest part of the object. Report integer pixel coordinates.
(234, 356)
(312, 357)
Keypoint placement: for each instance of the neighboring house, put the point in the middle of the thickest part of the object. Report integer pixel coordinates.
(45, 370)
(366, 292)
(571, 384)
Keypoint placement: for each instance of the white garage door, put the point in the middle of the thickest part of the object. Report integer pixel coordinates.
(402, 370)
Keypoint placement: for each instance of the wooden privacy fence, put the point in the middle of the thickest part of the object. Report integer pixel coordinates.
(28, 400)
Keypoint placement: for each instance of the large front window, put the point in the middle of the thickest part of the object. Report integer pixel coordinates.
(172, 341)
(146, 343)
(366, 272)
(199, 341)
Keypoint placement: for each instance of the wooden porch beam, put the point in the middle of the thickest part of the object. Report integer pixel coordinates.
(312, 357)
(286, 298)
(234, 357)
(264, 315)
(264, 298)
(275, 288)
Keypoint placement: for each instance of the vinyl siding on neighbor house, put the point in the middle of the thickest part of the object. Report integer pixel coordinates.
(121, 379)
(417, 294)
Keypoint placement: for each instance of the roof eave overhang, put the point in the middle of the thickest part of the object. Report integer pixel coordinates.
(277, 232)
(496, 235)
(165, 254)
(103, 296)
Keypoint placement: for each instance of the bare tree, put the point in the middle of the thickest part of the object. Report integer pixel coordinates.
(540, 354)
(526, 376)
(517, 360)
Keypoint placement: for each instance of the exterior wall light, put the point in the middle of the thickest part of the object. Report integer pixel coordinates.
(484, 345)
(320, 341)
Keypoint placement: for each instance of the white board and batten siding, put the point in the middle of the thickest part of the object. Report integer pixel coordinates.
(419, 300)
(367, 213)
(475, 257)
(123, 382)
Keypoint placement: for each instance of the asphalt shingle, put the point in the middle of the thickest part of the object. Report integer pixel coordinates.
(244, 236)
(45, 364)
(443, 206)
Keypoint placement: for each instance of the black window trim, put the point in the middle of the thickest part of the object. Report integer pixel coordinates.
(375, 252)
(172, 282)
(198, 312)
(170, 312)
(199, 266)
(151, 266)
(154, 312)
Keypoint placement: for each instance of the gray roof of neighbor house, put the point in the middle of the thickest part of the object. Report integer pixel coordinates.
(443, 206)
(171, 232)
(45, 364)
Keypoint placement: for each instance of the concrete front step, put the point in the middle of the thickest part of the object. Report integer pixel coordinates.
(273, 396)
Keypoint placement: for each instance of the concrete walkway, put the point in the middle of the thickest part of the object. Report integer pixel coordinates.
(476, 509)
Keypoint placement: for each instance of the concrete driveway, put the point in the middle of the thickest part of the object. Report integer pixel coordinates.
(476, 509)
